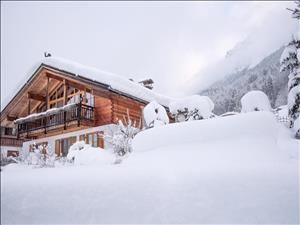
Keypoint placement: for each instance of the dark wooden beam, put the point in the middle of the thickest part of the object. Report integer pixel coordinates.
(65, 92)
(11, 118)
(47, 94)
(28, 113)
(53, 76)
(37, 97)
(75, 85)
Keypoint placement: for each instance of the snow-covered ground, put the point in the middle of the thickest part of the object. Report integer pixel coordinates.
(192, 174)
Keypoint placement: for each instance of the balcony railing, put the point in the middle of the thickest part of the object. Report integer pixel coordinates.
(76, 112)
(5, 141)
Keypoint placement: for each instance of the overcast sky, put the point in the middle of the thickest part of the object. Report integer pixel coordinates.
(167, 41)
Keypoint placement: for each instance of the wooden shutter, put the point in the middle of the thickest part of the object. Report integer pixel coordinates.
(100, 139)
(57, 147)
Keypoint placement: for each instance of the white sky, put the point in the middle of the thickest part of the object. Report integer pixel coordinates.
(167, 41)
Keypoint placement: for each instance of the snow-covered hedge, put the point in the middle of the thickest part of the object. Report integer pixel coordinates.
(255, 101)
(193, 107)
(155, 115)
(84, 154)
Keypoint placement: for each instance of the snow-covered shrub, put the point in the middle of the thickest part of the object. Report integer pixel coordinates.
(193, 107)
(81, 153)
(75, 148)
(255, 101)
(41, 156)
(4, 160)
(155, 115)
(121, 139)
(297, 128)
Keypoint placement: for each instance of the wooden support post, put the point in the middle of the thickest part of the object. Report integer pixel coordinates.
(65, 118)
(65, 92)
(47, 94)
(78, 114)
(84, 96)
(28, 112)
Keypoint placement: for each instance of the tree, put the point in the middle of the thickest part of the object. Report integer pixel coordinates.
(269, 90)
(290, 62)
(121, 139)
(41, 156)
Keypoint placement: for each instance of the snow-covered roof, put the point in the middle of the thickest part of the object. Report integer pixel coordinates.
(115, 82)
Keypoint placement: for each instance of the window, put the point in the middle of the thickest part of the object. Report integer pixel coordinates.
(94, 139)
(62, 146)
(8, 131)
(89, 99)
(12, 153)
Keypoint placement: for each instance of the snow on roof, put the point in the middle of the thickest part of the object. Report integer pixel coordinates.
(115, 82)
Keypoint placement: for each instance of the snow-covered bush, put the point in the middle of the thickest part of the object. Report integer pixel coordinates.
(41, 156)
(255, 101)
(75, 148)
(4, 160)
(297, 128)
(81, 153)
(121, 139)
(155, 115)
(193, 107)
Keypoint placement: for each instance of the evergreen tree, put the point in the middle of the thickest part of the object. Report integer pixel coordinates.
(269, 90)
(290, 62)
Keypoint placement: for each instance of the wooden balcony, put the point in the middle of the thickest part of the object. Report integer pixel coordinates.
(60, 117)
(6, 141)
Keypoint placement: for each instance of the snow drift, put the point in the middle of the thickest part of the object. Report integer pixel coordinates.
(256, 124)
(84, 154)
(240, 175)
(202, 103)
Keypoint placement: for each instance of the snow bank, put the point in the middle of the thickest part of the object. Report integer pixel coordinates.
(201, 103)
(155, 115)
(256, 124)
(84, 154)
(241, 178)
(255, 101)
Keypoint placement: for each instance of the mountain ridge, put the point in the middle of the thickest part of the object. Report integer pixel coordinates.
(265, 76)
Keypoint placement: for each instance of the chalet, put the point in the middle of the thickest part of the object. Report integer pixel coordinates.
(62, 102)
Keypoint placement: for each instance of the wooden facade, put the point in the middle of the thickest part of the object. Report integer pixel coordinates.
(76, 102)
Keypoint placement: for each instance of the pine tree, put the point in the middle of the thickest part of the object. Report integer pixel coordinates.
(290, 62)
(269, 90)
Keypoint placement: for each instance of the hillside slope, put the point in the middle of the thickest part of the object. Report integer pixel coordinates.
(265, 76)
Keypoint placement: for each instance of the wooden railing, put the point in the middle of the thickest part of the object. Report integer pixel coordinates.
(5, 141)
(76, 112)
